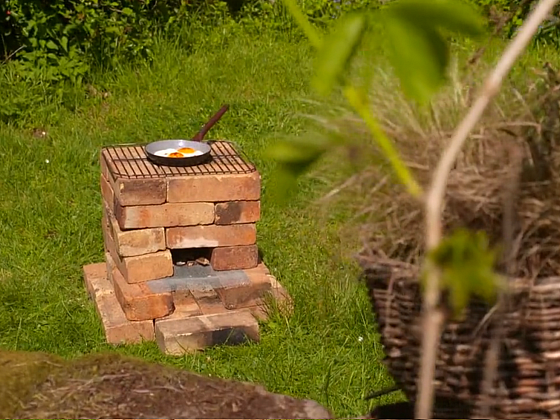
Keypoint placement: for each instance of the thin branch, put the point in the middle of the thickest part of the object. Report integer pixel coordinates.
(435, 197)
(509, 224)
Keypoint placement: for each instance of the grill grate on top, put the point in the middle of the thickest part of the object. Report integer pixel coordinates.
(130, 161)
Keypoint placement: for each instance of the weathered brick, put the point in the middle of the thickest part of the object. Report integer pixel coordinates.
(134, 191)
(196, 333)
(185, 306)
(117, 328)
(234, 257)
(103, 158)
(237, 212)
(207, 299)
(138, 302)
(165, 215)
(138, 192)
(130, 243)
(249, 294)
(214, 188)
(107, 193)
(141, 268)
(95, 279)
(211, 236)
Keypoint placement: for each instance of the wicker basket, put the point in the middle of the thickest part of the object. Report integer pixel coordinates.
(528, 385)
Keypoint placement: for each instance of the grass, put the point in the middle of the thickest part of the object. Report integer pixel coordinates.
(50, 218)
(50, 213)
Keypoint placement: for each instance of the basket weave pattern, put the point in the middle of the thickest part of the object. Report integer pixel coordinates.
(528, 384)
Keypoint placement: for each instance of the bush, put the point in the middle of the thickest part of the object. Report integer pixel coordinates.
(51, 46)
(64, 37)
(549, 32)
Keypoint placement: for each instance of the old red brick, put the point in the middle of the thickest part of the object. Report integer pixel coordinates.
(214, 188)
(196, 333)
(140, 268)
(211, 236)
(130, 243)
(234, 257)
(105, 172)
(185, 306)
(165, 215)
(134, 192)
(117, 328)
(138, 302)
(249, 294)
(208, 300)
(147, 267)
(107, 193)
(96, 281)
(237, 212)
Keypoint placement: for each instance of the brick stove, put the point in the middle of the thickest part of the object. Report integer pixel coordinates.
(182, 263)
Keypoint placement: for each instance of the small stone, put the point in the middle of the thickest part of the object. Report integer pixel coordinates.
(202, 261)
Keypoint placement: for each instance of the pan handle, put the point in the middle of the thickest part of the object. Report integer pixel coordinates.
(200, 135)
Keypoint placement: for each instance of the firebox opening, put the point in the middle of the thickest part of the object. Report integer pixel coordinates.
(191, 256)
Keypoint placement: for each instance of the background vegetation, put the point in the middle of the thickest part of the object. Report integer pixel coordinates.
(77, 75)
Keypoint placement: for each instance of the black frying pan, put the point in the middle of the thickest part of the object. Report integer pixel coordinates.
(203, 149)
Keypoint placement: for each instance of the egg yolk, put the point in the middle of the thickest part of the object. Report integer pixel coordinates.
(175, 155)
(186, 150)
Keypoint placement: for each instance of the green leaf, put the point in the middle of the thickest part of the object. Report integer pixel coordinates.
(127, 11)
(452, 15)
(303, 150)
(51, 45)
(467, 265)
(64, 43)
(295, 157)
(419, 55)
(337, 50)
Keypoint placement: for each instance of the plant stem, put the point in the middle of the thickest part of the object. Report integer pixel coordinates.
(435, 197)
(361, 107)
(311, 33)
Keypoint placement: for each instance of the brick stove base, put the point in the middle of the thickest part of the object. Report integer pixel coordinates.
(199, 316)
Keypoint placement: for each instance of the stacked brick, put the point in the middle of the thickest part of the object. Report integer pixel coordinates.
(147, 223)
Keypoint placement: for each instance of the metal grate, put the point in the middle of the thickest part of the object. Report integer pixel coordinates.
(130, 161)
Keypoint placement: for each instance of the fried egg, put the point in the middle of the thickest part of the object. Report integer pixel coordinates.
(165, 152)
(181, 153)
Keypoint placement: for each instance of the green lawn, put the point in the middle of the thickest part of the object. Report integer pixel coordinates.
(50, 219)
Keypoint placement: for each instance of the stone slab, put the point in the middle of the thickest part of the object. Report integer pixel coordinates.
(187, 278)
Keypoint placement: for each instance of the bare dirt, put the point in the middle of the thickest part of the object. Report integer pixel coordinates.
(110, 386)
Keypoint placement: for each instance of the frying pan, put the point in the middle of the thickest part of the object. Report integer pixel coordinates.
(196, 144)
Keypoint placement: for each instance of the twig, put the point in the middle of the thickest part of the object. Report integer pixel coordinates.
(509, 224)
(12, 54)
(433, 317)
(381, 393)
